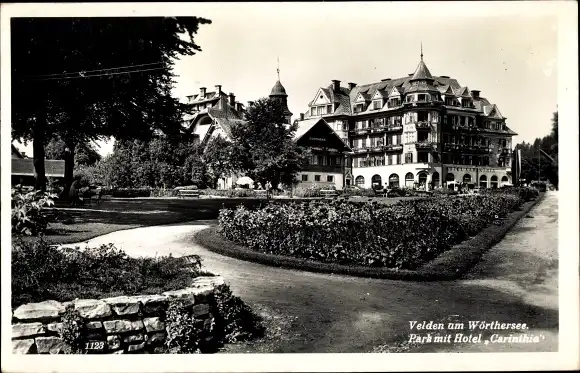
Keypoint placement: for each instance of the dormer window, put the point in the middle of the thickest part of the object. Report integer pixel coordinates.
(422, 97)
(313, 111)
(358, 108)
(409, 98)
(466, 103)
(377, 104)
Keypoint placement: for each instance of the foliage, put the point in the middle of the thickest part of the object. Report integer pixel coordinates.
(401, 235)
(361, 192)
(184, 332)
(63, 87)
(86, 154)
(73, 331)
(162, 162)
(532, 162)
(236, 321)
(41, 271)
(219, 160)
(445, 192)
(264, 146)
(29, 213)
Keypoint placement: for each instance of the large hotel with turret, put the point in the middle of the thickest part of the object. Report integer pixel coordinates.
(419, 131)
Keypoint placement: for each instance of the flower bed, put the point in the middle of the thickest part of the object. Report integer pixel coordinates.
(404, 235)
(41, 271)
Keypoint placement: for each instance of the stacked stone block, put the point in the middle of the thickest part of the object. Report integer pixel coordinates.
(125, 324)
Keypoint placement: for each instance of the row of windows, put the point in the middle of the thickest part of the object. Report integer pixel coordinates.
(379, 122)
(326, 160)
(318, 178)
(376, 141)
(391, 159)
(321, 110)
(474, 140)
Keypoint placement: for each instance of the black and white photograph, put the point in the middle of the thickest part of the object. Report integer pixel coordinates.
(280, 186)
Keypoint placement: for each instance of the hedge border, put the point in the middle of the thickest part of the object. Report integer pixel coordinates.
(449, 265)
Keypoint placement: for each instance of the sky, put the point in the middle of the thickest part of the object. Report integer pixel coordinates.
(509, 54)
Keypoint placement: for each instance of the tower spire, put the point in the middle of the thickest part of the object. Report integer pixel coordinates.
(278, 68)
(421, 51)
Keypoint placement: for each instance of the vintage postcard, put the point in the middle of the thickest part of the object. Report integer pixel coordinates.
(349, 186)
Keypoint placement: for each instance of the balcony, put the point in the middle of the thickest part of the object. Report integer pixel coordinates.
(423, 125)
(394, 128)
(425, 145)
(323, 168)
(360, 131)
(465, 128)
(360, 150)
(377, 129)
(466, 148)
(377, 148)
(393, 148)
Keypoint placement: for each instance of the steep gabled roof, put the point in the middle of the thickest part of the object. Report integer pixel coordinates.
(463, 91)
(304, 126)
(493, 112)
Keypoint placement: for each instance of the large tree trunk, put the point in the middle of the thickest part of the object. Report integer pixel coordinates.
(38, 153)
(69, 162)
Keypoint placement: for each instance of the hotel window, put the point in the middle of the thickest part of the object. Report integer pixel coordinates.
(422, 97)
(399, 140)
(330, 178)
(316, 177)
(377, 104)
(313, 111)
(304, 177)
(409, 158)
(409, 98)
(329, 109)
(398, 159)
(321, 160)
(390, 159)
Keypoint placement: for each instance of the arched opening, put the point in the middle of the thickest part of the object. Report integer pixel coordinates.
(422, 176)
(409, 180)
(467, 178)
(435, 179)
(494, 182)
(359, 181)
(483, 181)
(450, 177)
(376, 182)
(394, 181)
(505, 180)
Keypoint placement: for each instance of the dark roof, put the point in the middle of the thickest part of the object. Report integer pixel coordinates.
(422, 72)
(16, 153)
(278, 90)
(25, 167)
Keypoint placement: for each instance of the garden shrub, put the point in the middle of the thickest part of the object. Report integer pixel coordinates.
(41, 271)
(403, 235)
(29, 212)
(162, 192)
(131, 192)
(359, 192)
(73, 331)
(236, 321)
(184, 331)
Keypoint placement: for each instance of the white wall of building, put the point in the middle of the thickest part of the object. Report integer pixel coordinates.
(337, 179)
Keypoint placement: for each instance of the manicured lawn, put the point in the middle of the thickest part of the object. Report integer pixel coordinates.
(114, 214)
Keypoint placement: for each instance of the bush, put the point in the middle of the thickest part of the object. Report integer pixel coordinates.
(445, 192)
(131, 192)
(402, 235)
(184, 332)
(41, 271)
(361, 192)
(162, 192)
(29, 213)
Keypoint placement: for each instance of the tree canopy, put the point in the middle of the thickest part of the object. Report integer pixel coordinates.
(82, 79)
(264, 146)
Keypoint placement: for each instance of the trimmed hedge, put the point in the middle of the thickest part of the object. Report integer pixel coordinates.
(450, 265)
(403, 236)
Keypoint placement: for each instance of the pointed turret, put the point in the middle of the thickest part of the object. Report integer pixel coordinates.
(278, 92)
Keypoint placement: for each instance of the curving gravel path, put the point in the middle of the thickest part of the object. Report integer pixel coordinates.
(516, 281)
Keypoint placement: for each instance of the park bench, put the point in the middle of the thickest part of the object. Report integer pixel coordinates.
(261, 193)
(194, 193)
(328, 193)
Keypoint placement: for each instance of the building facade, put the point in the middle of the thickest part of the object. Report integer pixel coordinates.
(215, 113)
(419, 131)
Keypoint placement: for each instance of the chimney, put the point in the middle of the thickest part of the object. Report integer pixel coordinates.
(202, 92)
(351, 85)
(218, 89)
(23, 154)
(301, 116)
(475, 93)
(239, 107)
(336, 85)
(232, 99)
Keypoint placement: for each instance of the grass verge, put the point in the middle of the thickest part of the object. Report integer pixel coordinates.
(450, 265)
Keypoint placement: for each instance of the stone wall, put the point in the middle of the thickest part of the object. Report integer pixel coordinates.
(126, 324)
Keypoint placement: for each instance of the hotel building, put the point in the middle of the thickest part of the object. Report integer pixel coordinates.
(419, 131)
